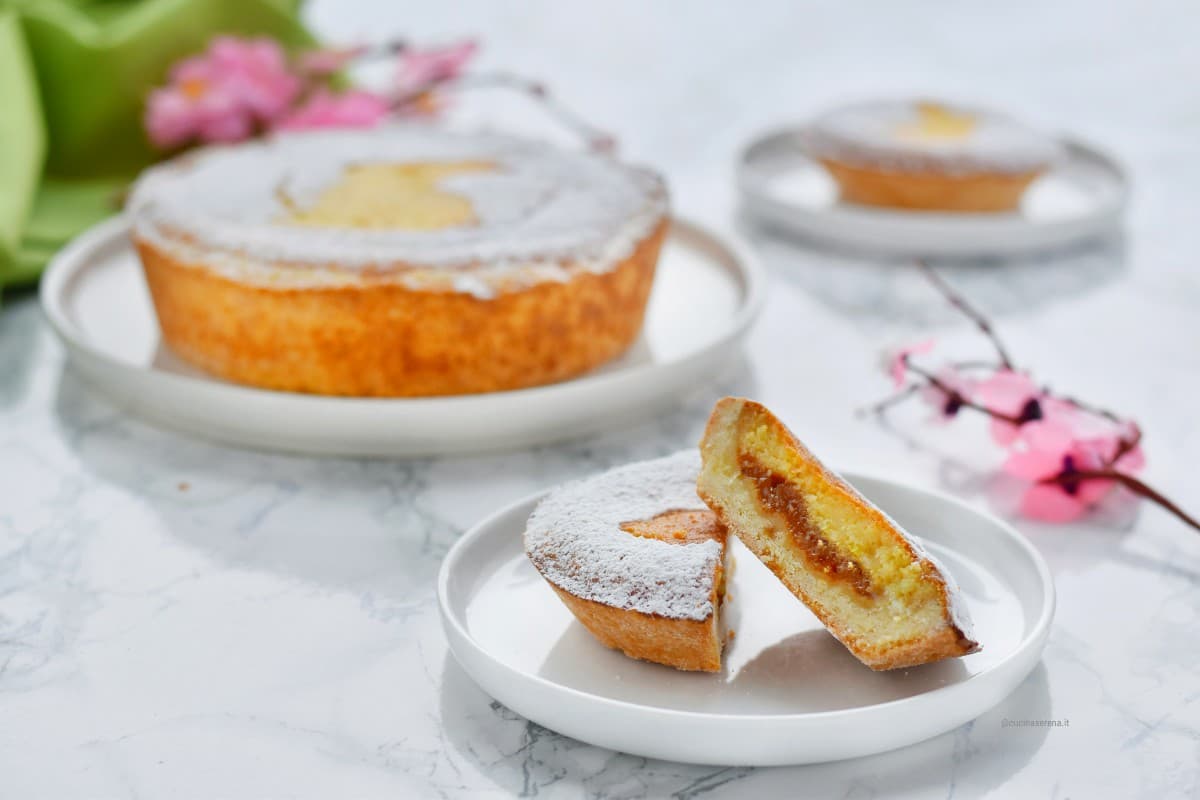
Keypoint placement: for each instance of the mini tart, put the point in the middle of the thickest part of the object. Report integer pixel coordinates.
(929, 156)
(868, 581)
(638, 559)
(398, 261)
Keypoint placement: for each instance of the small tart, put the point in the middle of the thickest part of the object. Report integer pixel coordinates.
(869, 581)
(397, 261)
(930, 156)
(638, 559)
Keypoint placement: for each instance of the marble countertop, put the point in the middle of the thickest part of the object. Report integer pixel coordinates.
(180, 619)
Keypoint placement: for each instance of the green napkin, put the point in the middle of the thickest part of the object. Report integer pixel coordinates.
(74, 75)
(22, 141)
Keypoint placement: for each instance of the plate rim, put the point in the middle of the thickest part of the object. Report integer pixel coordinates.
(1035, 638)
(1057, 233)
(74, 258)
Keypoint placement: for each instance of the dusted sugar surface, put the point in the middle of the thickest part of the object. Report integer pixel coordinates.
(926, 135)
(534, 211)
(575, 540)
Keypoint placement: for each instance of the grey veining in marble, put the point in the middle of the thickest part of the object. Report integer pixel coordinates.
(183, 620)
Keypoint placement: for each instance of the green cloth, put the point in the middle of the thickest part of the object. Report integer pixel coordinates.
(74, 75)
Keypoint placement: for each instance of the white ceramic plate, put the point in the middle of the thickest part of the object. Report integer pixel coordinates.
(789, 692)
(706, 293)
(1083, 198)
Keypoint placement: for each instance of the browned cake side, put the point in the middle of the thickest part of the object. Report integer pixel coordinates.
(686, 644)
(929, 191)
(382, 339)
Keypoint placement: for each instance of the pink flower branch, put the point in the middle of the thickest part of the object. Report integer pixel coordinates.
(956, 399)
(1071, 453)
(242, 88)
(595, 139)
(959, 302)
(1132, 484)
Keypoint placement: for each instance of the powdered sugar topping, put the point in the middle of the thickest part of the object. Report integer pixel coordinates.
(540, 211)
(575, 540)
(872, 133)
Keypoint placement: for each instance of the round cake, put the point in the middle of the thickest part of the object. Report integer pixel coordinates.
(638, 559)
(397, 261)
(929, 156)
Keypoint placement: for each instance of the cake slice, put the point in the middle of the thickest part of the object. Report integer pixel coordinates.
(868, 581)
(635, 555)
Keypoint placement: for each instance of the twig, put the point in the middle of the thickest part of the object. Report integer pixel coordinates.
(385, 50)
(961, 365)
(1129, 482)
(1091, 409)
(959, 302)
(597, 139)
(888, 402)
(960, 399)
(1125, 446)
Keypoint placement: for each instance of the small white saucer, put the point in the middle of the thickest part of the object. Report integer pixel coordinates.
(1082, 198)
(706, 293)
(789, 692)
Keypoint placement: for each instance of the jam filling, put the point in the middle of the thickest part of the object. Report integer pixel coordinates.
(776, 494)
(678, 527)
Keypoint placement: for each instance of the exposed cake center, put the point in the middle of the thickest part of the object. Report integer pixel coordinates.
(394, 196)
(678, 527)
(936, 122)
(778, 495)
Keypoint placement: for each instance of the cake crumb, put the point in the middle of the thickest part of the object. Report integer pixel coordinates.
(184, 486)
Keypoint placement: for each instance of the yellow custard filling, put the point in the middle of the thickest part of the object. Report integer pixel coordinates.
(391, 196)
(936, 122)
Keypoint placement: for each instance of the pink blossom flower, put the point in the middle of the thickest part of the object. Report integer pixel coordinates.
(948, 401)
(196, 103)
(222, 95)
(351, 109)
(420, 68)
(256, 70)
(1061, 448)
(1014, 394)
(898, 362)
(171, 118)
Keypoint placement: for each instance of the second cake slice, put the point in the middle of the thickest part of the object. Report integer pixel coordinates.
(867, 580)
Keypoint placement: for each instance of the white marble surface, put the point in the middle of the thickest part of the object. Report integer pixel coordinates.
(183, 620)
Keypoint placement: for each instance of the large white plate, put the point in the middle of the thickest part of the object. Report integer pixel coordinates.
(706, 293)
(1082, 198)
(789, 692)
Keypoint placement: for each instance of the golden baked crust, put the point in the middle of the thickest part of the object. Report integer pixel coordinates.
(380, 338)
(975, 191)
(686, 644)
(845, 559)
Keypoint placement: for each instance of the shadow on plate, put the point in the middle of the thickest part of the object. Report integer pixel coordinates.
(814, 670)
(886, 288)
(809, 671)
(522, 757)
